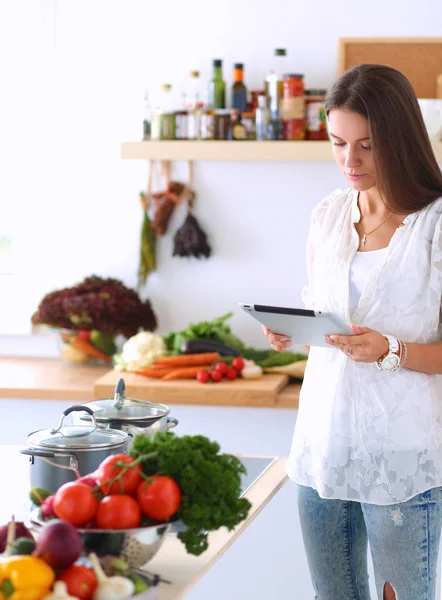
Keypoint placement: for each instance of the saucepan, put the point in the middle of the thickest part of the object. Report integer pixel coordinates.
(64, 453)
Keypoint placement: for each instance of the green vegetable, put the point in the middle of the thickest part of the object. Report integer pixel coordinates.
(271, 358)
(139, 582)
(147, 260)
(210, 483)
(37, 495)
(23, 545)
(211, 330)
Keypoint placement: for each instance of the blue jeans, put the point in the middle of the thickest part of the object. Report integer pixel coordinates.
(404, 542)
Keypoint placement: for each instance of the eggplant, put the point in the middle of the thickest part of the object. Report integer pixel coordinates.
(197, 346)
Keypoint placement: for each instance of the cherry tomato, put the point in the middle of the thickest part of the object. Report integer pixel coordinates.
(231, 373)
(221, 367)
(203, 376)
(118, 512)
(84, 335)
(215, 376)
(159, 498)
(80, 581)
(109, 469)
(75, 503)
(238, 363)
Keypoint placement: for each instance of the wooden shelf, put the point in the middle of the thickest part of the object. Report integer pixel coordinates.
(228, 150)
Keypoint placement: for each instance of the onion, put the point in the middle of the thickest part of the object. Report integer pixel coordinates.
(20, 531)
(59, 544)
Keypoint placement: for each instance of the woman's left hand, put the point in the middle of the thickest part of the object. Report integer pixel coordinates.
(367, 345)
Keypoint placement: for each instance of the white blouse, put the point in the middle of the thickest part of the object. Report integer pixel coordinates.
(364, 434)
(359, 270)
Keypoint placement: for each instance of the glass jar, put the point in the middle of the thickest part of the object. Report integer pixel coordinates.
(207, 125)
(181, 125)
(80, 347)
(293, 107)
(222, 120)
(315, 122)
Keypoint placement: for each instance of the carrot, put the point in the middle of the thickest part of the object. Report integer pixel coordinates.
(89, 349)
(150, 372)
(188, 360)
(185, 373)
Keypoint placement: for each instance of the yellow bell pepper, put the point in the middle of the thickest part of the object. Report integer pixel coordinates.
(25, 578)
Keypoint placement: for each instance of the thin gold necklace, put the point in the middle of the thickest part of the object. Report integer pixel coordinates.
(364, 238)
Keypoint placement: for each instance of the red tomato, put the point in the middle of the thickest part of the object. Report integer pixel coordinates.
(118, 512)
(221, 367)
(159, 498)
(84, 334)
(215, 376)
(203, 376)
(80, 581)
(231, 373)
(238, 363)
(75, 503)
(109, 469)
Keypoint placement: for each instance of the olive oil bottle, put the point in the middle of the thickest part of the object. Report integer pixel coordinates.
(217, 87)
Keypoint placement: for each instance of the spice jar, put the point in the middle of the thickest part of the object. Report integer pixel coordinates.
(222, 120)
(315, 123)
(207, 125)
(293, 107)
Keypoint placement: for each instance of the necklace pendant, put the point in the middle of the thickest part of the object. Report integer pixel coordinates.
(364, 240)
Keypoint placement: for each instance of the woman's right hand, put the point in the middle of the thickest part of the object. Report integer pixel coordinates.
(277, 342)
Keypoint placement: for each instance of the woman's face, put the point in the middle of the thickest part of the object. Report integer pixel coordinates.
(350, 137)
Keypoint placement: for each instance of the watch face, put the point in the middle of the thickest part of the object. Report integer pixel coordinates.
(390, 362)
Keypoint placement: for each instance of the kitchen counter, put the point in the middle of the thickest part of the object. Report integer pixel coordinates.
(266, 477)
(52, 379)
(47, 379)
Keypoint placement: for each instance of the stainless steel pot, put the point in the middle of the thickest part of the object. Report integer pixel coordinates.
(59, 455)
(130, 415)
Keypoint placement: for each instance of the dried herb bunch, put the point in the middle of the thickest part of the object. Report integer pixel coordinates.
(96, 303)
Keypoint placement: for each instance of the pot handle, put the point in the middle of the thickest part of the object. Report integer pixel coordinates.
(171, 422)
(32, 452)
(77, 408)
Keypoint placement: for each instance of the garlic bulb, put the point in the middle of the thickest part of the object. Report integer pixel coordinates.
(60, 592)
(110, 588)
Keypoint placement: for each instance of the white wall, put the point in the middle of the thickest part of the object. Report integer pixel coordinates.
(82, 215)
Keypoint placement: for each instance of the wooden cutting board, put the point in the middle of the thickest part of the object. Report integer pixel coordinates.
(240, 392)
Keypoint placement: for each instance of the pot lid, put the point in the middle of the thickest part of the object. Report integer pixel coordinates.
(126, 410)
(77, 437)
(74, 438)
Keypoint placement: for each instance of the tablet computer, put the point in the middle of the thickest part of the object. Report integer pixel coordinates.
(305, 327)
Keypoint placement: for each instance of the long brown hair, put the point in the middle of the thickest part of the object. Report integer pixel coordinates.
(407, 173)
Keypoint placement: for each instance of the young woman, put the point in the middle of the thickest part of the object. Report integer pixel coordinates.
(367, 448)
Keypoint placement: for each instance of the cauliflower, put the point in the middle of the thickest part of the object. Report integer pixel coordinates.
(140, 351)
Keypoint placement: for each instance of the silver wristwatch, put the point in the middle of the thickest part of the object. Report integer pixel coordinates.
(391, 359)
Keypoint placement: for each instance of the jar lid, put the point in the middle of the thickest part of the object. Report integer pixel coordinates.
(293, 75)
(316, 92)
(73, 438)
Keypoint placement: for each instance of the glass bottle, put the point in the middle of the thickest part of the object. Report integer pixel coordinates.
(217, 87)
(262, 118)
(273, 82)
(167, 113)
(239, 90)
(147, 118)
(194, 105)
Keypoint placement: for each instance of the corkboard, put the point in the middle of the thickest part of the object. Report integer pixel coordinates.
(419, 59)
